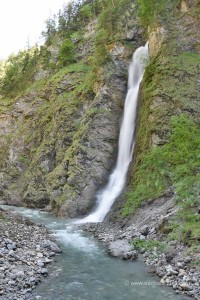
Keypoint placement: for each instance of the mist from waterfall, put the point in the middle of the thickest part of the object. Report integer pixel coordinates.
(117, 179)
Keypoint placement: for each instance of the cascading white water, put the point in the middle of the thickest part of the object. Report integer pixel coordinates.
(117, 179)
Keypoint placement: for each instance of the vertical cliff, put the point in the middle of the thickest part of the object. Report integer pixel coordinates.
(164, 175)
(61, 110)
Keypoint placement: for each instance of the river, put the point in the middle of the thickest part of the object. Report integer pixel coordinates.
(84, 271)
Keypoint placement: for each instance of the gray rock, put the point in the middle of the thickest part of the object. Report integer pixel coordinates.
(170, 270)
(13, 254)
(187, 259)
(44, 271)
(11, 246)
(40, 263)
(8, 241)
(51, 246)
(11, 282)
(19, 273)
(170, 254)
(160, 271)
(179, 264)
(162, 280)
(13, 276)
(40, 254)
(145, 230)
(131, 255)
(185, 286)
(119, 248)
(182, 272)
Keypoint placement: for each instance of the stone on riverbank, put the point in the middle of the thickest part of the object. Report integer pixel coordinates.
(23, 257)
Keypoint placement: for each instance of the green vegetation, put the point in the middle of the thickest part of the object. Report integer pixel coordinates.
(148, 245)
(65, 33)
(3, 217)
(101, 52)
(169, 111)
(174, 164)
(66, 53)
(186, 230)
(153, 11)
(195, 263)
(18, 72)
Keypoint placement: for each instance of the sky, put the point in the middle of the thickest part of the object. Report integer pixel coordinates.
(23, 20)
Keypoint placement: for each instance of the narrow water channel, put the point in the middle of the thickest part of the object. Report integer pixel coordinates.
(84, 271)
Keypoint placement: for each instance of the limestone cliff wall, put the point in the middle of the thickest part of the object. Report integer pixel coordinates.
(57, 150)
(59, 143)
(170, 88)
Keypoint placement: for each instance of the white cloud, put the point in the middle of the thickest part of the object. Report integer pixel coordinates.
(23, 19)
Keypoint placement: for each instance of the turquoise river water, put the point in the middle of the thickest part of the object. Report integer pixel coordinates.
(84, 271)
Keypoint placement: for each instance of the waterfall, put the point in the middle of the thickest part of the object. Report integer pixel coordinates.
(117, 179)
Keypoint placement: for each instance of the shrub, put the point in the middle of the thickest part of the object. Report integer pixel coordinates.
(66, 53)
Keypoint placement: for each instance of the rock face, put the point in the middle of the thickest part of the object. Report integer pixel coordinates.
(157, 36)
(170, 88)
(33, 172)
(59, 143)
(96, 157)
(185, 5)
(94, 163)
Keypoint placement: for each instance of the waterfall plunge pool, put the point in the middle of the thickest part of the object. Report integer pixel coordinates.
(84, 271)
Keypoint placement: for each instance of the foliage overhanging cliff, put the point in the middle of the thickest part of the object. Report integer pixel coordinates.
(61, 107)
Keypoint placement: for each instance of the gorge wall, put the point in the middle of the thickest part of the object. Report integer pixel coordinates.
(162, 189)
(59, 135)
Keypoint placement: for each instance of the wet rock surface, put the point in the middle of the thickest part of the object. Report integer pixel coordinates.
(26, 250)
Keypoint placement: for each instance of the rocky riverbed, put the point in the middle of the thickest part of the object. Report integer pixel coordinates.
(26, 250)
(146, 236)
(173, 265)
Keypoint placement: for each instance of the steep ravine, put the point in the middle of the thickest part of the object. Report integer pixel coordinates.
(59, 140)
(59, 137)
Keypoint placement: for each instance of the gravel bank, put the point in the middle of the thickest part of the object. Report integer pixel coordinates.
(26, 249)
